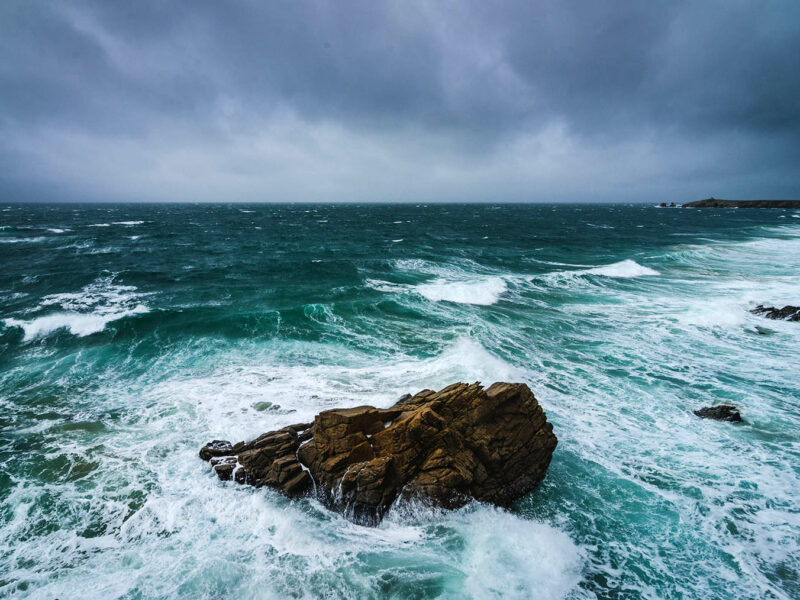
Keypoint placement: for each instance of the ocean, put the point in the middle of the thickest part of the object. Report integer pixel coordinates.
(130, 335)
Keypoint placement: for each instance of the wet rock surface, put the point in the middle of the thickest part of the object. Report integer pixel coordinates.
(270, 459)
(787, 313)
(441, 448)
(721, 412)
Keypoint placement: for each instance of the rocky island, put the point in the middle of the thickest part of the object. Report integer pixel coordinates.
(442, 448)
(718, 203)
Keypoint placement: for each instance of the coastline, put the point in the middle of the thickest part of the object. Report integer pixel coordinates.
(719, 203)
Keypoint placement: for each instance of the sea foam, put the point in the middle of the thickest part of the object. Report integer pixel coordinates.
(30, 240)
(623, 269)
(77, 323)
(459, 283)
(509, 557)
(82, 313)
(484, 292)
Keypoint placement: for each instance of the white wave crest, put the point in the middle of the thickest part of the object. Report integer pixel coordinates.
(623, 269)
(30, 240)
(85, 312)
(80, 324)
(484, 292)
(577, 278)
(465, 283)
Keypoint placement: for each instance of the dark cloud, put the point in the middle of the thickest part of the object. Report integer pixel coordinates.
(555, 100)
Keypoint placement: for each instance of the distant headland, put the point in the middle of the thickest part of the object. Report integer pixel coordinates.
(717, 203)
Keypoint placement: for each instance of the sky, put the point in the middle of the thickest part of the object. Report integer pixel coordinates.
(453, 101)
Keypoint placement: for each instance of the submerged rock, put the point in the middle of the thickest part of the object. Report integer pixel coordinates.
(442, 448)
(721, 412)
(787, 313)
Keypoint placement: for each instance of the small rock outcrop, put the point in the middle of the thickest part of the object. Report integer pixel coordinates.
(270, 459)
(442, 448)
(787, 313)
(720, 412)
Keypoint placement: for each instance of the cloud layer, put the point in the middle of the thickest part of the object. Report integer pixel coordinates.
(399, 101)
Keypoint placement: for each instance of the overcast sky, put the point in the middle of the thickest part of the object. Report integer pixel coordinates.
(399, 101)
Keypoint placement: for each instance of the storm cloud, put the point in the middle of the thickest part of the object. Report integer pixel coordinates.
(399, 101)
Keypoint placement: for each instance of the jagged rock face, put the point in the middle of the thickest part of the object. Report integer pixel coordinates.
(443, 448)
(270, 459)
(721, 412)
(787, 313)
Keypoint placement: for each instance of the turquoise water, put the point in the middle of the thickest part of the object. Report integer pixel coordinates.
(132, 334)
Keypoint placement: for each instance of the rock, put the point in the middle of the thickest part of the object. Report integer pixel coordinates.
(216, 448)
(787, 313)
(720, 412)
(442, 448)
(270, 459)
(718, 203)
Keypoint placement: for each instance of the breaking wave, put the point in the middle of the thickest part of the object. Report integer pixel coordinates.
(79, 324)
(623, 269)
(476, 291)
(82, 313)
(464, 283)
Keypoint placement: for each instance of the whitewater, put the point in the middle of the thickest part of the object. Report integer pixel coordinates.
(130, 335)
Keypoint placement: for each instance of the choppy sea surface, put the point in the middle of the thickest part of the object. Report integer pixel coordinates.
(132, 334)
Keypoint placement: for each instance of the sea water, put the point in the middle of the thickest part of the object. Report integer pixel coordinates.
(130, 335)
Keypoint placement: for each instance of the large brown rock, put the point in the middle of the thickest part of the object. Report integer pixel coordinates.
(442, 448)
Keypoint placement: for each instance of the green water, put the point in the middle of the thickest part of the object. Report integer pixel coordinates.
(132, 334)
